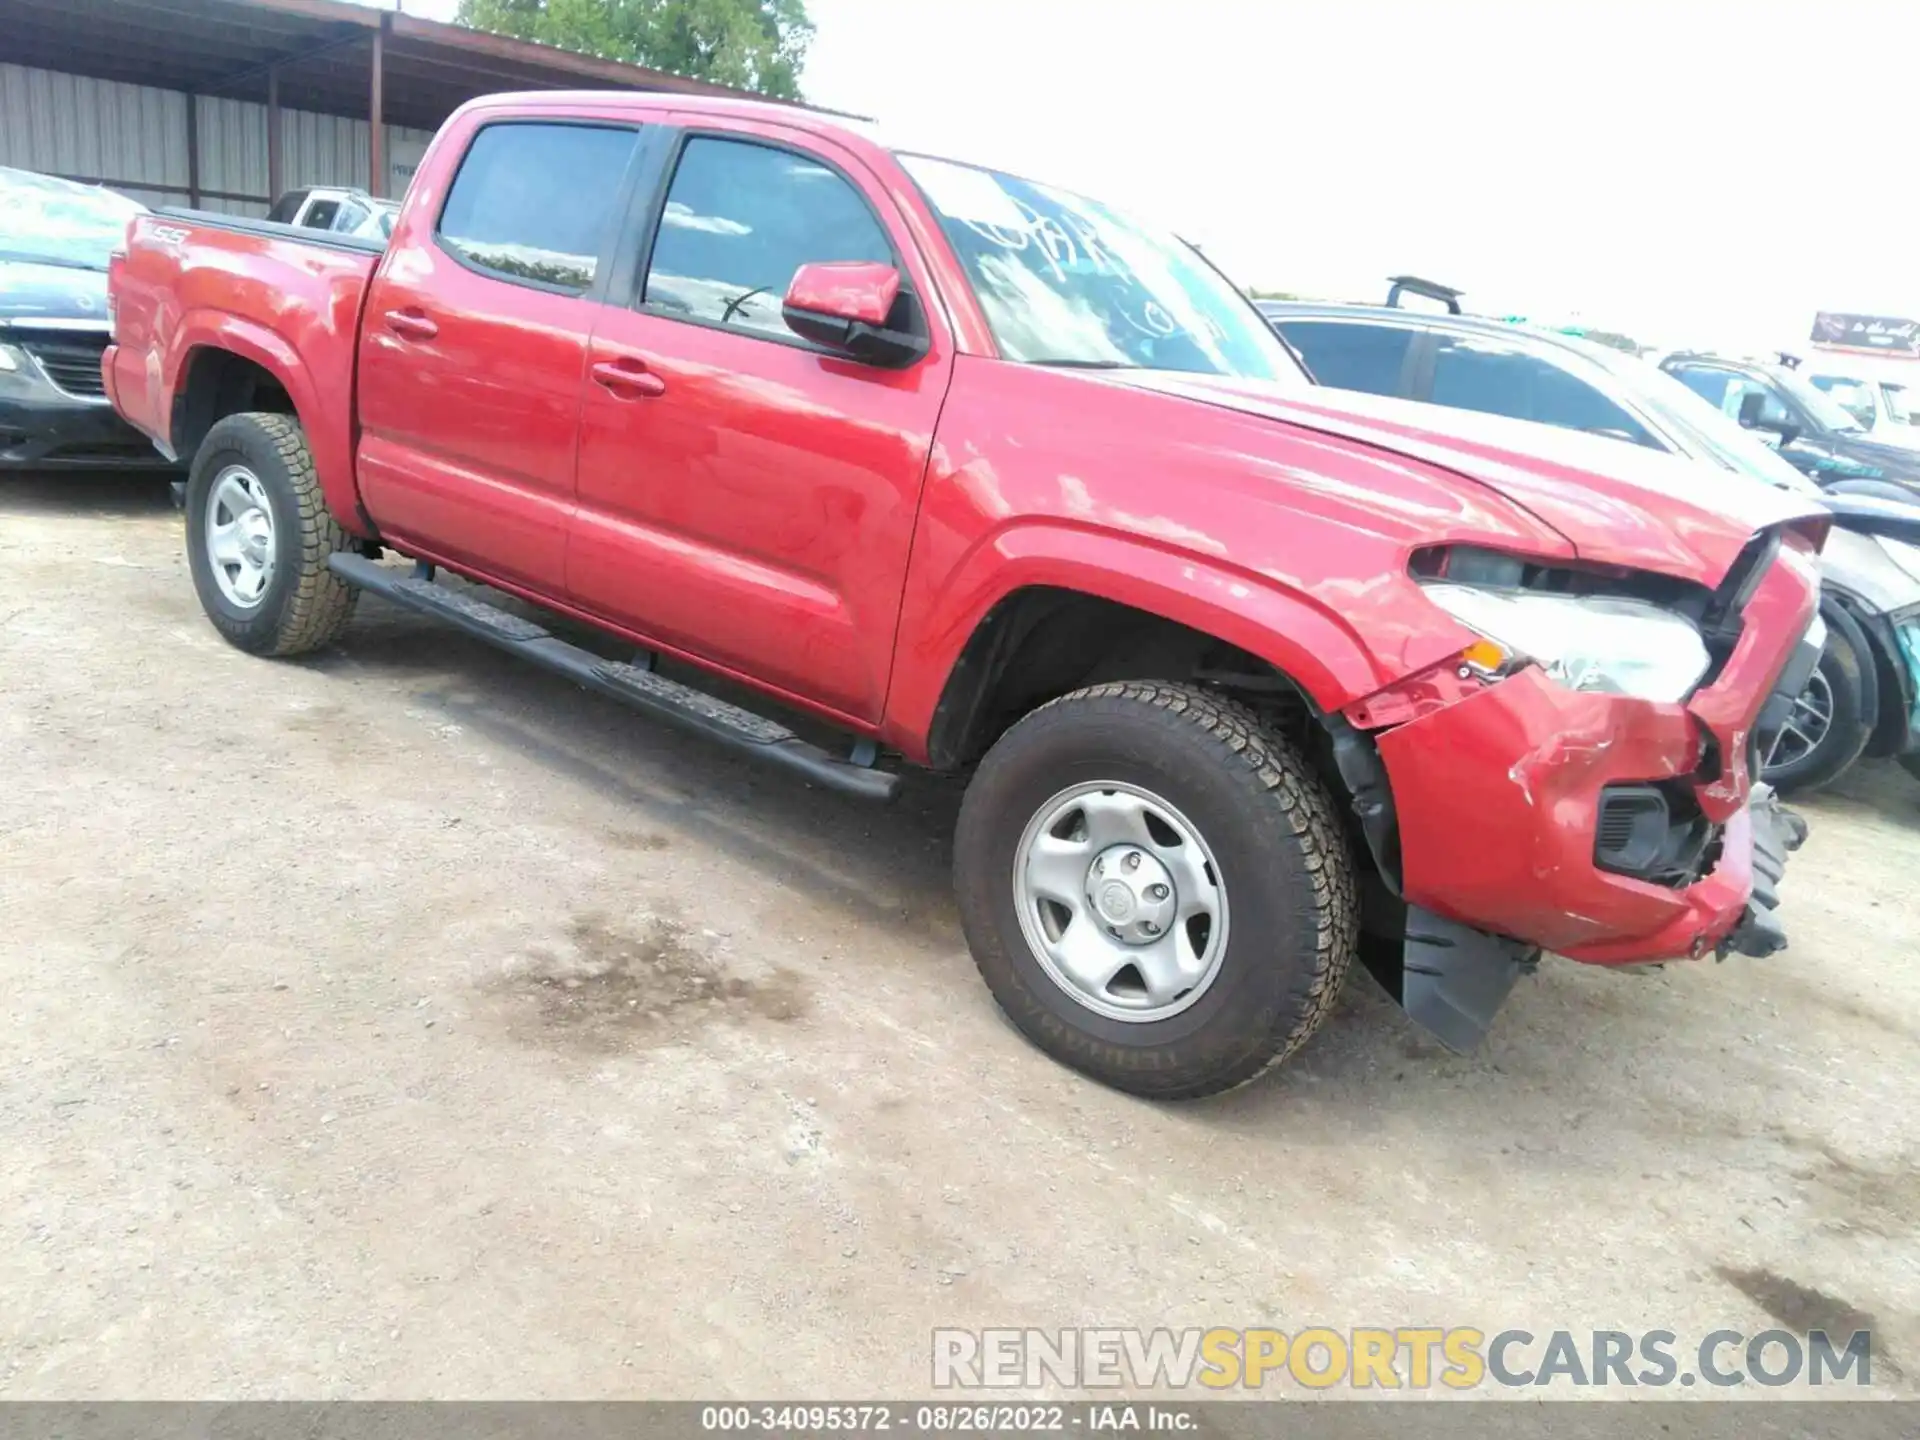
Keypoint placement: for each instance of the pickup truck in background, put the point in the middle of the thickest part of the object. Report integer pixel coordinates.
(336, 210)
(1878, 403)
(1812, 432)
(988, 478)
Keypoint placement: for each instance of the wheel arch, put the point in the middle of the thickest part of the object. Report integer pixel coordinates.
(1039, 642)
(223, 364)
(1894, 684)
(215, 382)
(1045, 610)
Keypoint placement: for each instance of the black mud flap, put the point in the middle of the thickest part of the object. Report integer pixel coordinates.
(1777, 832)
(1449, 978)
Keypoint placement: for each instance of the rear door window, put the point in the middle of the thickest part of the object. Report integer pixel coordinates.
(1471, 373)
(1727, 391)
(1708, 383)
(534, 202)
(1351, 356)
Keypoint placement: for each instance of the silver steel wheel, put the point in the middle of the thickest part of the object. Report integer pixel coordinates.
(240, 540)
(1121, 901)
(1807, 726)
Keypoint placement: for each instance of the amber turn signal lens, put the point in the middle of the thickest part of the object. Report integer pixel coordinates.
(1486, 657)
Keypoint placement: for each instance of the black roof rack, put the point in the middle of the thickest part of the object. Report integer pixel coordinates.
(1427, 289)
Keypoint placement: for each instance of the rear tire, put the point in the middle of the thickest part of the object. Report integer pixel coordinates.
(253, 498)
(1833, 717)
(1240, 830)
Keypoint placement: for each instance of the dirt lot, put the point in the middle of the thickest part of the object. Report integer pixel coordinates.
(408, 1023)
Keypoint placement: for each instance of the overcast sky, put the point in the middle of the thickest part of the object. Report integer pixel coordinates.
(1689, 171)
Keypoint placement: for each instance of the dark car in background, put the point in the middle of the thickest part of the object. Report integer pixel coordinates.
(1813, 431)
(1862, 698)
(55, 240)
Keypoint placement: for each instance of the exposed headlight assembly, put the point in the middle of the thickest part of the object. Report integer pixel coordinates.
(1598, 643)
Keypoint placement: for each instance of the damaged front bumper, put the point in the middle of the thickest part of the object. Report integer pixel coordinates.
(1452, 979)
(1611, 830)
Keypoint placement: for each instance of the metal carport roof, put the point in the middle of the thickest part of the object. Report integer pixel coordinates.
(316, 52)
(327, 57)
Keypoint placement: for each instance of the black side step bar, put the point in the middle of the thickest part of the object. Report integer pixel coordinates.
(669, 700)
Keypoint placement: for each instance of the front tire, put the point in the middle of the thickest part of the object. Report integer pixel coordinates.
(1200, 858)
(1833, 717)
(258, 538)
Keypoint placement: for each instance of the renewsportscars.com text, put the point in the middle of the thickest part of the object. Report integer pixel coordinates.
(1392, 1358)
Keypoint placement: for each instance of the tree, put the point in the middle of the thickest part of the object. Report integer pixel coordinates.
(750, 44)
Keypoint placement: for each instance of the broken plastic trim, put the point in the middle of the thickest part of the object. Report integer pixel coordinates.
(1453, 979)
(1365, 776)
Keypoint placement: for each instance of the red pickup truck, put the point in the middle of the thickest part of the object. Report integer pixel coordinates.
(1249, 678)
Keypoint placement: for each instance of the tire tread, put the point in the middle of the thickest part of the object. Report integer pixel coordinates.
(1853, 683)
(1274, 769)
(317, 604)
(321, 603)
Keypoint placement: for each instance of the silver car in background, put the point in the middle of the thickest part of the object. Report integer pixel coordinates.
(1864, 698)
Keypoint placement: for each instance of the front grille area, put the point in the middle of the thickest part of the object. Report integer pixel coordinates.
(1654, 833)
(72, 362)
(1631, 822)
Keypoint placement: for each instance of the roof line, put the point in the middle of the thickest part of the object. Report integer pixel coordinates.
(620, 74)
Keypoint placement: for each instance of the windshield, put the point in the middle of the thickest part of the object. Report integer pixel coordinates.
(1706, 433)
(56, 222)
(1822, 406)
(1065, 280)
(1853, 396)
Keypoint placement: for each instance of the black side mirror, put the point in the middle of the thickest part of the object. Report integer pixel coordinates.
(1754, 416)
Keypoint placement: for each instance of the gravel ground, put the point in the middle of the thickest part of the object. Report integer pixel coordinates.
(403, 1022)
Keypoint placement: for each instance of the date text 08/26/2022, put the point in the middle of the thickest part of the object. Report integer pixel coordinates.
(1041, 1417)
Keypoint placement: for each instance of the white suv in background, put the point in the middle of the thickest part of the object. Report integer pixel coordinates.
(337, 211)
(1878, 401)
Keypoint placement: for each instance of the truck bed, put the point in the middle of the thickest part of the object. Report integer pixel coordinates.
(196, 289)
(271, 229)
